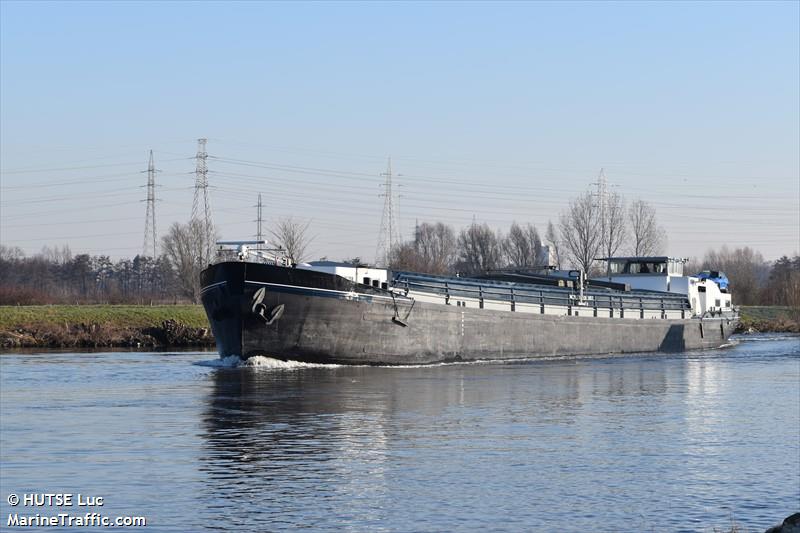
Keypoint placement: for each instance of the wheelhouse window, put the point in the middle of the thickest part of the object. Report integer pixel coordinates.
(645, 268)
(642, 266)
(616, 267)
(676, 268)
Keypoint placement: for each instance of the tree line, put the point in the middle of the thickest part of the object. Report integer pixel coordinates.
(590, 227)
(56, 275)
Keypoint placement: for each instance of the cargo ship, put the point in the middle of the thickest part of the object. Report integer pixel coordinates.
(326, 312)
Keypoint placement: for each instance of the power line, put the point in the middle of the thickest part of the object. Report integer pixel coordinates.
(68, 197)
(494, 192)
(86, 221)
(59, 169)
(122, 176)
(527, 168)
(423, 197)
(52, 238)
(465, 184)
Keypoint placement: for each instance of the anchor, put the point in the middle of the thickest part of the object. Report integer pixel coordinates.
(268, 315)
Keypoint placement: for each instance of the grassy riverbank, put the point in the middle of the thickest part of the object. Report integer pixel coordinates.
(769, 319)
(64, 326)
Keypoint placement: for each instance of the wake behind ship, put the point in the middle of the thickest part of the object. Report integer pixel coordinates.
(329, 312)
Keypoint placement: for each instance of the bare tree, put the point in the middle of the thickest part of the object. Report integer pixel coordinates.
(436, 245)
(612, 222)
(692, 266)
(405, 256)
(11, 253)
(59, 255)
(648, 237)
(554, 241)
(479, 249)
(433, 250)
(522, 245)
(783, 287)
(746, 269)
(580, 231)
(186, 248)
(292, 236)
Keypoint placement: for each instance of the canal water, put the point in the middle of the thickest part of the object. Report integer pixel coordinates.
(685, 442)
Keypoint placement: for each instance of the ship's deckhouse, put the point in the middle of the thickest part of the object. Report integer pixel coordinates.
(649, 273)
(665, 274)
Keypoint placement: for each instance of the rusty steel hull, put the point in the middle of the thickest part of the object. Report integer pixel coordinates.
(319, 317)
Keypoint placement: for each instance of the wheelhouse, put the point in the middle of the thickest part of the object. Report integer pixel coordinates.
(645, 265)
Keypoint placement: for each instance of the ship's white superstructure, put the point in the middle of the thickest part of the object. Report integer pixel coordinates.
(665, 274)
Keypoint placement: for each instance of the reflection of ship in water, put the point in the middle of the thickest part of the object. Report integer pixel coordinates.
(322, 414)
(275, 415)
(279, 443)
(349, 439)
(331, 447)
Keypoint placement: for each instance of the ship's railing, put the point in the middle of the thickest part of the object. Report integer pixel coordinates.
(635, 302)
(251, 251)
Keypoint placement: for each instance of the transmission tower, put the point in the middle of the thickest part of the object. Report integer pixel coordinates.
(388, 237)
(602, 195)
(602, 207)
(149, 243)
(201, 208)
(259, 220)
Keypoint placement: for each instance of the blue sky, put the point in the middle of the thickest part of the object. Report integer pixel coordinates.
(496, 112)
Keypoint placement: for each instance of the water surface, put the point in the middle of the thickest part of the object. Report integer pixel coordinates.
(685, 442)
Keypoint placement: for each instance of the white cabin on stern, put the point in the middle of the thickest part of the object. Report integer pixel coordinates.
(665, 274)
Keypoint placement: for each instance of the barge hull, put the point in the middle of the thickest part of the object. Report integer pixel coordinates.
(326, 319)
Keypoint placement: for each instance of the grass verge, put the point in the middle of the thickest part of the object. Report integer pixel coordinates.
(64, 326)
(762, 318)
(137, 316)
